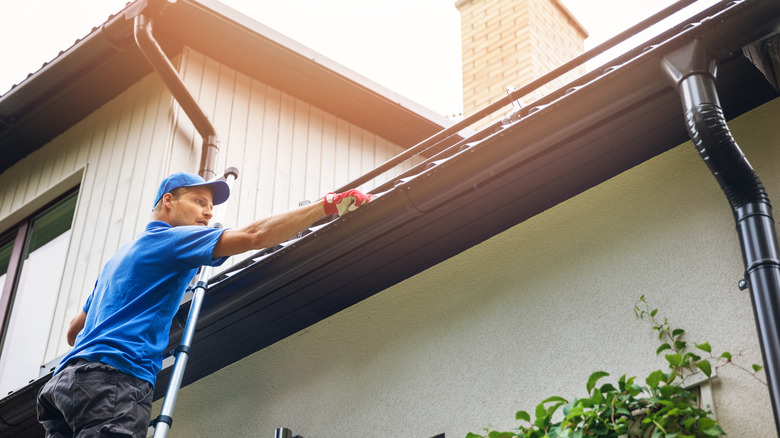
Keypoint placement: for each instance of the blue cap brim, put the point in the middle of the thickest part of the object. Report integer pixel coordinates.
(219, 188)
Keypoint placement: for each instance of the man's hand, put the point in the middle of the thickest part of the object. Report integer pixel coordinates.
(342, 203)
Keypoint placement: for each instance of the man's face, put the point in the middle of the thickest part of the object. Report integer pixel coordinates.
(192, 207)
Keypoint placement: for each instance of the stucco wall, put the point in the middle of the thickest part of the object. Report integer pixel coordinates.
(528, 314)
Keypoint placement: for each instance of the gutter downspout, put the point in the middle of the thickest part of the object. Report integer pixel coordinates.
(162, 65)
(691, 69)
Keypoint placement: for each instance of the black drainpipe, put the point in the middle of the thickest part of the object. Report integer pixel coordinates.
(162, 65)
(692, 72)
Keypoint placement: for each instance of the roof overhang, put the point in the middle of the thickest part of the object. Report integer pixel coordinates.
(106, 62)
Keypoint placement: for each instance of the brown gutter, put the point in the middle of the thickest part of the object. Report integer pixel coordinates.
(162, 65)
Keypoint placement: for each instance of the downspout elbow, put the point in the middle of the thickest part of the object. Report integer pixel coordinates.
(691, 71)
(154, 54)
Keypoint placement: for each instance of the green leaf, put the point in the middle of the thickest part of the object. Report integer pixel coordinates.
(677, 332)
(757, 367)
(522, 415)
(575, 411)
(705, 367)
(654, 378)
(654, 312)
(473, 435)
(672, 412)
(567, 409)
(706, 423)
(598, 397)
(663, 347)
(496, 434)
(674, 359)
(594, 378)
(542, 417)
(726, 355)
(667, 391)
(608, 388)
(554, 398)
(714, 431)
(557, 432)
(704, 347)
(710, 427)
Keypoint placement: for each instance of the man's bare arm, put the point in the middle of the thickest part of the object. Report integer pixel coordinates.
(267, 232)
(76, 324)
(278, 228)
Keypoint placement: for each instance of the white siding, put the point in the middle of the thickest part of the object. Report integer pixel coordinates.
(286, 150)
(115, 149)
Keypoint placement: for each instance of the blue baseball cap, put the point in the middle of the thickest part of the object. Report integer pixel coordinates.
(219, 188)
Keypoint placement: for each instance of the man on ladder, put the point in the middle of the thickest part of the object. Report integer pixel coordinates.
(104, 386)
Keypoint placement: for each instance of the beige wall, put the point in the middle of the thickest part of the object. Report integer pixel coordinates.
(527, 314)
(287, 151)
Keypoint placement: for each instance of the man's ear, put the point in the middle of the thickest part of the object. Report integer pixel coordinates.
(167, 199)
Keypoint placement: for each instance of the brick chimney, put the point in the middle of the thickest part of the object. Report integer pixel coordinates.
(509, 43)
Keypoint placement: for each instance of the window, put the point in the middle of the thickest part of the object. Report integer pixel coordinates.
(32, 258)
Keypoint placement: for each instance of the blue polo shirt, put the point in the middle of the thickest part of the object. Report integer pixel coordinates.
(130, 311)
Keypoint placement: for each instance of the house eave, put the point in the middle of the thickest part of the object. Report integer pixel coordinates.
(106, 62)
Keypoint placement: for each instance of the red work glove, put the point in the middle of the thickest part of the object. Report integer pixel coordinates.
(341, 203)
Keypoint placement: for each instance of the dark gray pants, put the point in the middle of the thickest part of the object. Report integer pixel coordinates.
(92, 399)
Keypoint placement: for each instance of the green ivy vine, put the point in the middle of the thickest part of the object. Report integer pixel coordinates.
(661, 407)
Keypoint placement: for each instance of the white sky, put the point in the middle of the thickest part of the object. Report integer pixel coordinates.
(409, 46)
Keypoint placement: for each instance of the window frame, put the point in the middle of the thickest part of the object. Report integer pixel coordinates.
(19, 234)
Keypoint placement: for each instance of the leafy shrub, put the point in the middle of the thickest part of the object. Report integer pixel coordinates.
(661, 407)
